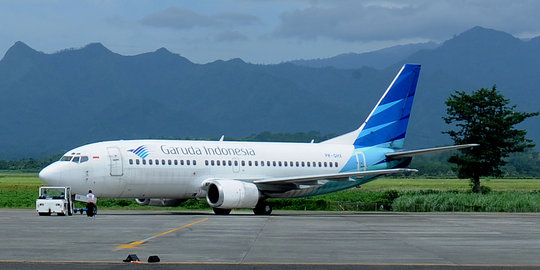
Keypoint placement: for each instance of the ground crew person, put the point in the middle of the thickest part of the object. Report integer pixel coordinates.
(90, 204)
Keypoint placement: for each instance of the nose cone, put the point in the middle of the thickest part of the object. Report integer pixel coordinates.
(51, 175)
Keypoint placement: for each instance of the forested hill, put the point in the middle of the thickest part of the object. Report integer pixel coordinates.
(54, 102)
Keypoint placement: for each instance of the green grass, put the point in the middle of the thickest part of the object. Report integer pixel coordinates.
(19, 190)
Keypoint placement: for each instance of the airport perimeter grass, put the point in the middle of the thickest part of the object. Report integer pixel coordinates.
(19, 190)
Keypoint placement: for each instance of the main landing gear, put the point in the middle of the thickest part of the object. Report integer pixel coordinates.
(220, 211)
(262, 208)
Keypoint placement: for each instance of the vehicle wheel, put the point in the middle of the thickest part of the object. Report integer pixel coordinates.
(44, 214)
(220, 211)
(262, 208)
(61, 214)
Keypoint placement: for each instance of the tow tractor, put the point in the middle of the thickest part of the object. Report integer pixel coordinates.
(54, 200)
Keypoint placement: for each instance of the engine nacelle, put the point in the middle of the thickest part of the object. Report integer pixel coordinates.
(160, 202)
(228, 194)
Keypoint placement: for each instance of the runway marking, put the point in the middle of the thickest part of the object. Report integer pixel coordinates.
(135, 244)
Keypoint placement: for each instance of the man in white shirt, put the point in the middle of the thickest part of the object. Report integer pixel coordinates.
(90, 204)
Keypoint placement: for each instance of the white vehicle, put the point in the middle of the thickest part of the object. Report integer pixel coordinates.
(244, 174)
(54, 200)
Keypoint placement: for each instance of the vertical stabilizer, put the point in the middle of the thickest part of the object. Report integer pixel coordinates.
(386, 125)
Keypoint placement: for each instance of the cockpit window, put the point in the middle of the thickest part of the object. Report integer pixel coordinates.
(75, 159)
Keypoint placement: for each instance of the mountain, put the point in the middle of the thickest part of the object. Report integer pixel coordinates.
(378, 59)
(477, 58)
(51, 103)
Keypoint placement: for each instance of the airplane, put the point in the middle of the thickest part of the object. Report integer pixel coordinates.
(233, 174)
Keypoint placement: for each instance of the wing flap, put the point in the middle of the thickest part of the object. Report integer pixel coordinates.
(334, 176)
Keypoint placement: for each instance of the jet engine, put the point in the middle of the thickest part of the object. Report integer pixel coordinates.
(160, 202)
(228, 194)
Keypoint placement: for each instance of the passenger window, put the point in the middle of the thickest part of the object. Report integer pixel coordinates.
(308, 164)
(144, 161)
(285, 163)
(194, 162)
(297, 164)
(230, 163)
(236, 163)
(336, 164)
(325, 164)
(262, 163)
(175, 162)
(249, 163)
(150, 161)
(212, 162)
(274, 163)
(162, 162)
(256, 163)
(75, 159)
(224, 162)
(137, 162)
(169, 162)
(243, 163)
(268, 163)
(206, 162)
(130, 161)
(330, 163)
(303, 164)
(157, 161)
(218, 163)
(182, 162)
(279, 162)
(187, 162)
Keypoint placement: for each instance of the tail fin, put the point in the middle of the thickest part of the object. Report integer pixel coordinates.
(387, 123)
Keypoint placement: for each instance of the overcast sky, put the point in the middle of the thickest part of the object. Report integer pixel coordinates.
(258, 31)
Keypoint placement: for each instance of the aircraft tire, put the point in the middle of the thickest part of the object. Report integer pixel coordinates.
(263, 208)
(220, 211)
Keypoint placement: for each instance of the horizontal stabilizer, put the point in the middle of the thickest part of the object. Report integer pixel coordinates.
(412, 153)
(335, 176)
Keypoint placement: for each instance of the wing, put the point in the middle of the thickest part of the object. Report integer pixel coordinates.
(335, 176)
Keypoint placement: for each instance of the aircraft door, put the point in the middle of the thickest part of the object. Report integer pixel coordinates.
(115, 161)
(361, 161)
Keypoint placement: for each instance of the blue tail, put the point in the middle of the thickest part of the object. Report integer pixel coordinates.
(387, 124)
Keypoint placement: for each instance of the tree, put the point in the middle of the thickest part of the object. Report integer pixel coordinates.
(484, 117)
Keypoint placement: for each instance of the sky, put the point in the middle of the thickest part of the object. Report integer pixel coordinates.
(257, 31)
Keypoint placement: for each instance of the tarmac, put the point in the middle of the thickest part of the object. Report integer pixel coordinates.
(284, 240)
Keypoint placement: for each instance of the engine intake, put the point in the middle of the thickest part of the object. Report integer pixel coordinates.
(230, 194)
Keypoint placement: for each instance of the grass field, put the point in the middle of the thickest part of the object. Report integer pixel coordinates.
(19, 190)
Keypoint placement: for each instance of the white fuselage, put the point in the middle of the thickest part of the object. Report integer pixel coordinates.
(176, 169)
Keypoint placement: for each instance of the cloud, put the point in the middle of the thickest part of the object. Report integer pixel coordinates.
(229, 36)
(351, 20)
(181, 18)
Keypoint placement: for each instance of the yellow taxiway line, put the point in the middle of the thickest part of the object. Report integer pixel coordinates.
(135, 244)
